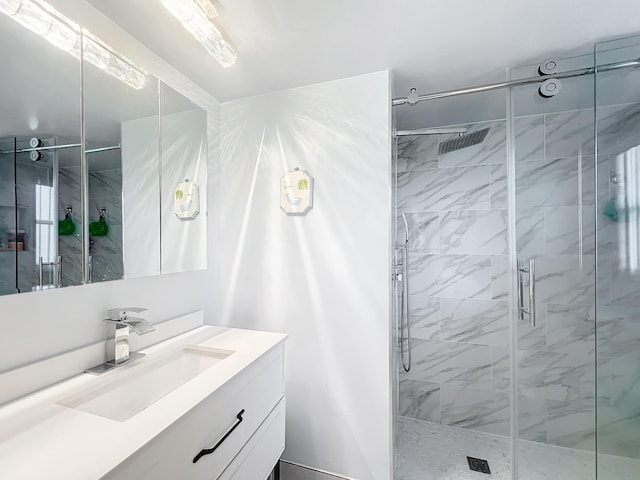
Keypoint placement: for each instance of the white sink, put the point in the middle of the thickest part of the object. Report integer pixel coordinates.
(136, 388)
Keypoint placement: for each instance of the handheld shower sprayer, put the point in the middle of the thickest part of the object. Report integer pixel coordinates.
(402, 280)
(406, 228)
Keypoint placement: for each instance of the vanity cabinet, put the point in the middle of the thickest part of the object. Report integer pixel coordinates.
(252, 402)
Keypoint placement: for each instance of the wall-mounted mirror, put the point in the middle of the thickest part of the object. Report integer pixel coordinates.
(135, 204)
(39, 159)
(184, 178)
(123, 163)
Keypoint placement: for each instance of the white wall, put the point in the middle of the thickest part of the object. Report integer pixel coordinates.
(322, 278)
(42, 324)
(140, 197)
(184, 155)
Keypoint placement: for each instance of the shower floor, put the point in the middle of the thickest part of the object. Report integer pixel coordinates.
(429, 451)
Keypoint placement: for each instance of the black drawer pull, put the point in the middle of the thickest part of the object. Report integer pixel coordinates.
(207, 451)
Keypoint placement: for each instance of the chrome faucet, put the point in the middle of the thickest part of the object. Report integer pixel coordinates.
(119, 326)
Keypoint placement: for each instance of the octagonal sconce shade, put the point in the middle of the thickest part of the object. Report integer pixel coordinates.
(296, 192)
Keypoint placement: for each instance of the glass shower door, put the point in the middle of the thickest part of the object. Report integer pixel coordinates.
(37, 231)
(618, 252)
(8, 265)
(554, 275)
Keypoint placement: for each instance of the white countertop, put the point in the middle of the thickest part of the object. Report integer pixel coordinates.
(40, 439)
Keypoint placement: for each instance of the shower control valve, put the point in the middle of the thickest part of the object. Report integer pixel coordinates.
(396, 275)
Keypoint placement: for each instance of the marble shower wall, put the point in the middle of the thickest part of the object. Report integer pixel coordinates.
(456, 206)
(555, 205)
(557, 212)
(618, 290)
(31, 174)
(105, 192)
(70, 247)
(7, 221)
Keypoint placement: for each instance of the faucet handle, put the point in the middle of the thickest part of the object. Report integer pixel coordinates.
(116, 314)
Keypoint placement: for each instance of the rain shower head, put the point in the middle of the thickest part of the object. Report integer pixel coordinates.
(463, 141)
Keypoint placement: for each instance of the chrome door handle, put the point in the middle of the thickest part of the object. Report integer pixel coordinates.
(521, 309)
(41, 274)
(531, 311)
(532, 292)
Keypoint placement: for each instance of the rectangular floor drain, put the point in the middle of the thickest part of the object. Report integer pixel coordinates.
(479, 465)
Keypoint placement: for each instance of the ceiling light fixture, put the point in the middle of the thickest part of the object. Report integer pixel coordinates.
(44, 20)
(197, 17)
(112, 62)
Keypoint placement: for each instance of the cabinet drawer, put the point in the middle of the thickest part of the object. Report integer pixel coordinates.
(170, 455)
(258, 457)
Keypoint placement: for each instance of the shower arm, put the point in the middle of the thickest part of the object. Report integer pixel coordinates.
(431, 131)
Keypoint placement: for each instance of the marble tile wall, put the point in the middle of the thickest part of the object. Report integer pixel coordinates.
(618, 289)
(70, 247)
(7, 258)
(555, 225)
(456, 208)
(29, 175)
(105, 191)
(455, 205)
(557, 360)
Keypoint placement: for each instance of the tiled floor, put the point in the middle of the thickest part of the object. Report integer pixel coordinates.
(430, 451)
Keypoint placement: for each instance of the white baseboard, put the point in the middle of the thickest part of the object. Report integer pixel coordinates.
(295, 471)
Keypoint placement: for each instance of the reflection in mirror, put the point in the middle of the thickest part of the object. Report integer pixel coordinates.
(121, 128)
(40, 233)
(184, 180)
(132, 195)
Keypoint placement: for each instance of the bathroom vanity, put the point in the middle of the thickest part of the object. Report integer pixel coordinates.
(207, 404)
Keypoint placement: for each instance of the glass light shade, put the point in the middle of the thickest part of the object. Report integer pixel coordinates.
(207, 8)
(107, 59)
(32, 16)
(10, 7)
(196, 19)
(41, 18)
(185, 10)
(95, 54)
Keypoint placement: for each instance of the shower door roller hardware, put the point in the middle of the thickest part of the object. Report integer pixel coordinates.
(531, 311)
(412, 98)
(35, 156)
(549, 88)
(549, 66)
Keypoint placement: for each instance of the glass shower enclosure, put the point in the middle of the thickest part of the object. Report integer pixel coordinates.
(29, 256)
(522, 277)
